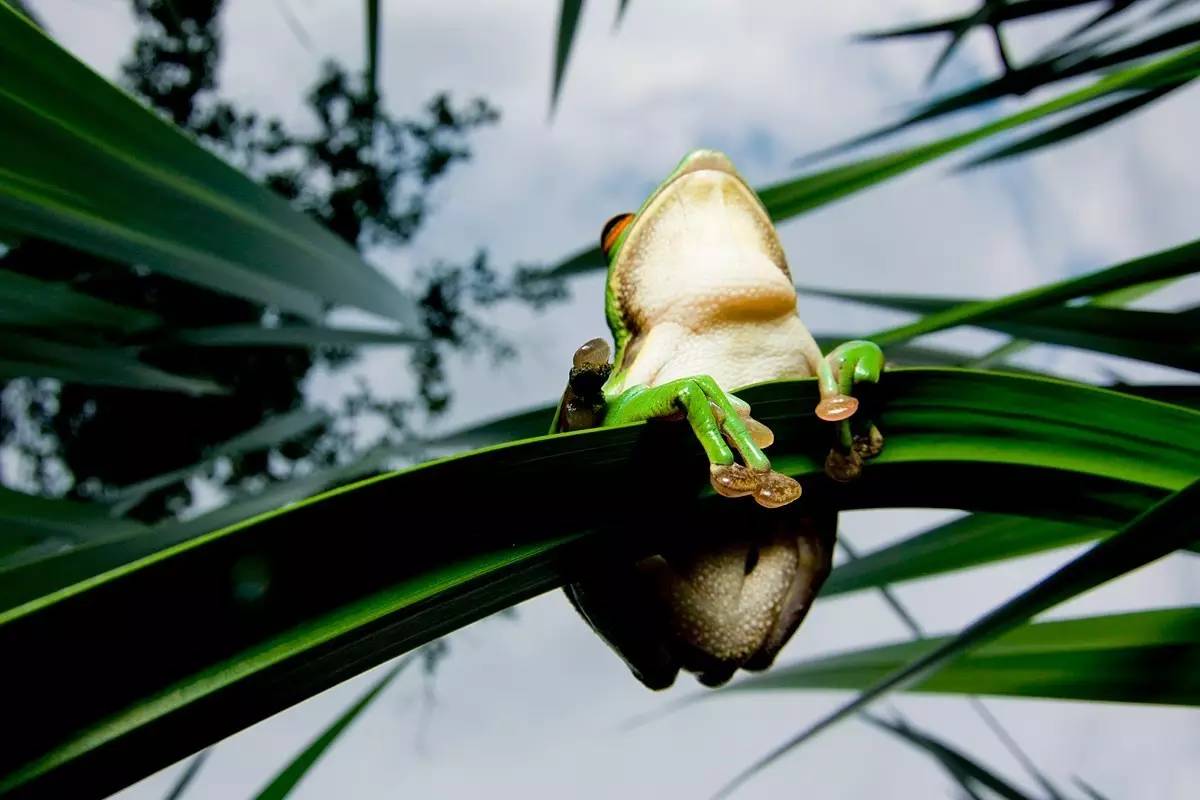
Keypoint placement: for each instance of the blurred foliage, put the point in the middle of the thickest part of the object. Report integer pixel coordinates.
(1116, 33)
(363, 173)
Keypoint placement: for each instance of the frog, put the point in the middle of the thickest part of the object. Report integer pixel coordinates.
(700, 301)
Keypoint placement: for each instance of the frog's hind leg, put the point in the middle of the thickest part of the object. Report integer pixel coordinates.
(857, 439)
(716, 420)
(809, 540)
(619, 604)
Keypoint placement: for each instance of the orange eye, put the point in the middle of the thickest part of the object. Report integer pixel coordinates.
(612, 231)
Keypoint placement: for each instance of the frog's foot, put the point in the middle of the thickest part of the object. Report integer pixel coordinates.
(846, 366)
(719, 421)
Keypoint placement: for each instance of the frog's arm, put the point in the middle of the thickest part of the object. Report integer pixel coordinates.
(717, 418)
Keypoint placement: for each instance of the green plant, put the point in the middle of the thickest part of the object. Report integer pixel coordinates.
(218, 618)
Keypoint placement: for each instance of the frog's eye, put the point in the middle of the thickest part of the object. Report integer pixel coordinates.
(612, 231)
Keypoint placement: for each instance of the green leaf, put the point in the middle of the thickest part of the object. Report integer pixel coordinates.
(287, 778)
(1154, 336)
(373, 47)
(187, 776)
(56, 569)
(622, 7)
(1103, 658)
(1056, 67)
(1089, 791)
(27, 356)
(988, 14)
(960, 766)
(967, 542)
(271, 432)
(1076, 126)
(523, 425)
(34, 518)
(1168, 526)
(794, 197)
(83, 163)
(30, 303)
(310, 336)
(229, 626)
(568, 21)
(1114, 299)
(1173, 263)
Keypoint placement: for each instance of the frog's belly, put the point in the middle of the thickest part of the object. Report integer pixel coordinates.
(741, 353)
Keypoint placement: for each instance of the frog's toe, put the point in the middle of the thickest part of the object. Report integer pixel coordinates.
(776, 489)
(762, 435)
(733, 480)
(837, 407)
(843, 467)
(868, 444)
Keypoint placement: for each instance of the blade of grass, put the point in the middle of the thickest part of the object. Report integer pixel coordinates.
(961, 544)
(187, 776)
(622, 7)
(372, 14)
(1157, 337)
(1104, 658)
(83, 163)
(1078, 125)
(791, 198)
(30, 516)
(1172, 263)
(220, 630)
(1058, 67)
(270, 433)
(310, 336)
(27, 356)
(30, 303)
(1168, 526)
(989, 719)
(953, 761)
(568, 21)
(282, 784)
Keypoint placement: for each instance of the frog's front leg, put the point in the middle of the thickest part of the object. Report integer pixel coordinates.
(716, 420)
(847, 365)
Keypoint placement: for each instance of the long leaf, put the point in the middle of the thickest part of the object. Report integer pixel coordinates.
(1153, 336)
(1057, 67)
(959, 765)
(964, 543)
(372, 9)
(284, 336)
(1173, 263)
(188, 776)
(1103, 658)
(1078, 125)
(24, 355)
(271, 432)
(225, 628)
(794, 197)
(622, 7)
(568, 22)
(1168, 526)
(30, 303)
(291, 775)
(33, 517)
(83, 163)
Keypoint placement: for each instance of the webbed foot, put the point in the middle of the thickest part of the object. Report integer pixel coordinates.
(856, 439)
(722, 424)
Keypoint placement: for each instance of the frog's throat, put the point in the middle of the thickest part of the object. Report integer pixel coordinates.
(695, 161)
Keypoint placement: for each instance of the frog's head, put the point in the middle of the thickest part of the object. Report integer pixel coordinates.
(701, 249)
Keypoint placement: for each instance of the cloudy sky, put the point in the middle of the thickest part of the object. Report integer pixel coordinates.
(533, 706)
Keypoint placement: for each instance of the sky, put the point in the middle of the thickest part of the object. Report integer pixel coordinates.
(535, 705)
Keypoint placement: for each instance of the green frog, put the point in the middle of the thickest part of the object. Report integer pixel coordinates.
(700, 301)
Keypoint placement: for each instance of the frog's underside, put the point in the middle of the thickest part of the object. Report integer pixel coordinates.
(700, 300)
